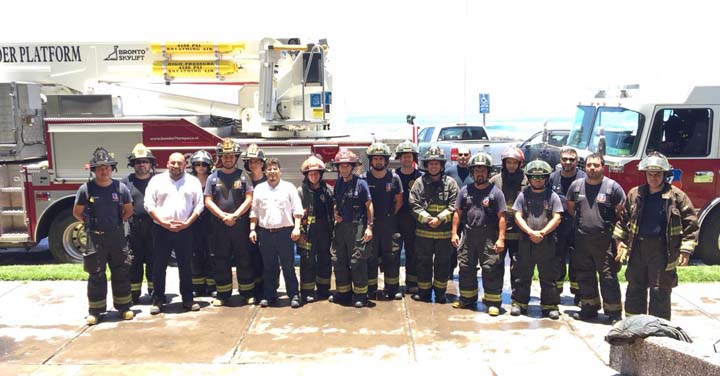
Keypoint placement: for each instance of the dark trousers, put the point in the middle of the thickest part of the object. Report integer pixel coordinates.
(543, 255)
(315, 262)
(165, 242)
(565, 247)
(646, 270)
(512, 247)
(203, 269)
(349, 257)
(140, 240)
(230, 249)
(385, 245)
(406, 227)
(107, 249)
(594, 259)
(257, 268)
(433, 265)
(478, 245)
(278, 251)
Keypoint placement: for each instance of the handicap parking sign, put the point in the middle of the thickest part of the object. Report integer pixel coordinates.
(484, 103)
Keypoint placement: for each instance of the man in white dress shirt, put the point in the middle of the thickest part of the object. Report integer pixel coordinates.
(174, 200)
(275, 224)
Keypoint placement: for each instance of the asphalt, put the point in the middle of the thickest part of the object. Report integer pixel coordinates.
(42, 332)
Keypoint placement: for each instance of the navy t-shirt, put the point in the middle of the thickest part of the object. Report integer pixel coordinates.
(347, 198)
(227, 190)
(407, 182)
(536, 216)
(654, 216)
(480, 206)
(383, 191)
(106, 202)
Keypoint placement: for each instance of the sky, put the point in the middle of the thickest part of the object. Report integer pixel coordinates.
(536, 59)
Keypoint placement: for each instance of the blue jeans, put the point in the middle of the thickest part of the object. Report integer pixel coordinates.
(277, 250)
(165, 242)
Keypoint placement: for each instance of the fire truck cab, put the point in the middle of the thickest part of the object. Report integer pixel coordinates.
(628, 126)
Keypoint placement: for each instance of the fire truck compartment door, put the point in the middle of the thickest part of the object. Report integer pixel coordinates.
(72, 146)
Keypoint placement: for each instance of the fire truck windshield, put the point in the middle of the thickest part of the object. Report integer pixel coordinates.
(620, 127)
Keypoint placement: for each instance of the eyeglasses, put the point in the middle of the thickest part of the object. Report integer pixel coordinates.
(463, 154)
(142, 161)
(536, 177)
(568, 159)
(201, 164)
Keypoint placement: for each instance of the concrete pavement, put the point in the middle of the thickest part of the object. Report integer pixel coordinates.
(42, 331)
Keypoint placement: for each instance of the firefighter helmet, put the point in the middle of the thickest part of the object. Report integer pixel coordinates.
(481, 159)
(513, 152)
(201, 156)
(655, 162)
(101, 157)
(140, 151)
(538, 167)
(227, 146)
(434, 153)
(345, 155)
(313, 163)
(253, 151)
(406, 146)
(378, 148)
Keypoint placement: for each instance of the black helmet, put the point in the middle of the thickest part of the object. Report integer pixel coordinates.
(140, 151)
(434, 153)
(227, 146)
(101, 157)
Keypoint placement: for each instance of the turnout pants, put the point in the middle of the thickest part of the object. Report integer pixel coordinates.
(230, 249)
(349, 258)
(406, 226)
(384, 244)
(315, 264)
(140, 240)
(647, 270)
(595, 257)
(478, 244)
(107, 248)
(543, 255)
(565, 247)
(165, 242)
(433, 265)
(512, 247)
(203, 269)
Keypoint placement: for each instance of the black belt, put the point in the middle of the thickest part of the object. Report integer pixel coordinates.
(275, 229)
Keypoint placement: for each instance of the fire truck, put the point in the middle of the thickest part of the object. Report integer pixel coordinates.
(59, 101)
(625, 125)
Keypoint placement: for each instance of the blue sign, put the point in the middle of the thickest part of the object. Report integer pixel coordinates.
(328, 97)
(315, 100)
(484, 103)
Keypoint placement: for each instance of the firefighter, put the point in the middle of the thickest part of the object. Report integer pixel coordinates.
(657, 230)
(560, 182)
(432, 199)
(201, 164)
(353, 230)
(463, 176)
(316, 231)
(407, 153)
(386, 191)
(228, 197)
(254, 164)
(595, 202)
(481, 208)
(511, 180)
(537, 214)
(140, 239)
(102, 204)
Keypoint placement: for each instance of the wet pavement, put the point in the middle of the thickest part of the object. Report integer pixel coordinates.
(42, 331)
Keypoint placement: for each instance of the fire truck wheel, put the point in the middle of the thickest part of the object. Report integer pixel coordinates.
(67, 238)
(708, 248)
